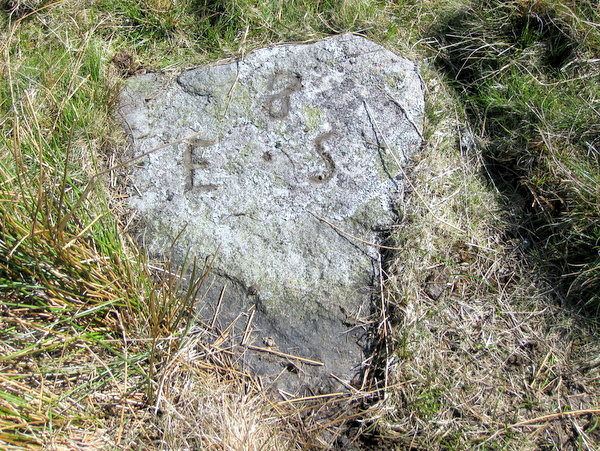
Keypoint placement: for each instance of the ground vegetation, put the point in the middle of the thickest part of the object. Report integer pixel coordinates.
(487, 325)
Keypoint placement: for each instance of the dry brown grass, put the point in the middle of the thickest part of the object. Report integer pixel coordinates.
(204, 402)
(486, 357)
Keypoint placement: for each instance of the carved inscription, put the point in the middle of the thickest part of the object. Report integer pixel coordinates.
(325, 176)
(194, 161)
(278, 107)
(278, 104)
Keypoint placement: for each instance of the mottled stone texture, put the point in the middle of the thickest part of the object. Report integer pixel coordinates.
(285, 138)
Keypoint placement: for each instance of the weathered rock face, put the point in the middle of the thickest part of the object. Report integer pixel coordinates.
(293, 167)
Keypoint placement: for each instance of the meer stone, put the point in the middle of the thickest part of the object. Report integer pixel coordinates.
(288, 162)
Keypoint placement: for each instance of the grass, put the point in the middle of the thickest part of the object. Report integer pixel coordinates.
(491, 304)
(481, 342)
(529, 74)
(83, 325)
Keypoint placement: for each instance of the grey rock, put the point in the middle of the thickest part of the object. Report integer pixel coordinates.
(288, 162)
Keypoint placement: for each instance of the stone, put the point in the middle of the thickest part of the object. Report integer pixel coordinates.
(286, 166)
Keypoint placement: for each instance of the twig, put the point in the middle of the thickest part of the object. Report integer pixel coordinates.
(384, 334)
(223, 336)
(344, 383)
(312, 398)
(287, 356)
(352, 236)
(214, 319)
(342, 419)
(247, 330)
(540, 369)
(553, 417)
(582, 436)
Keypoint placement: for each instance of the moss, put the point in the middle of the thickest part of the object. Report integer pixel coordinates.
(313, 117)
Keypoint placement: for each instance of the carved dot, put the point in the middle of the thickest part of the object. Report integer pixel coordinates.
(267, 156)
(292, 368)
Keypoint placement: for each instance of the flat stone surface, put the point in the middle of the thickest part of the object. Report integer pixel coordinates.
(287, 161)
